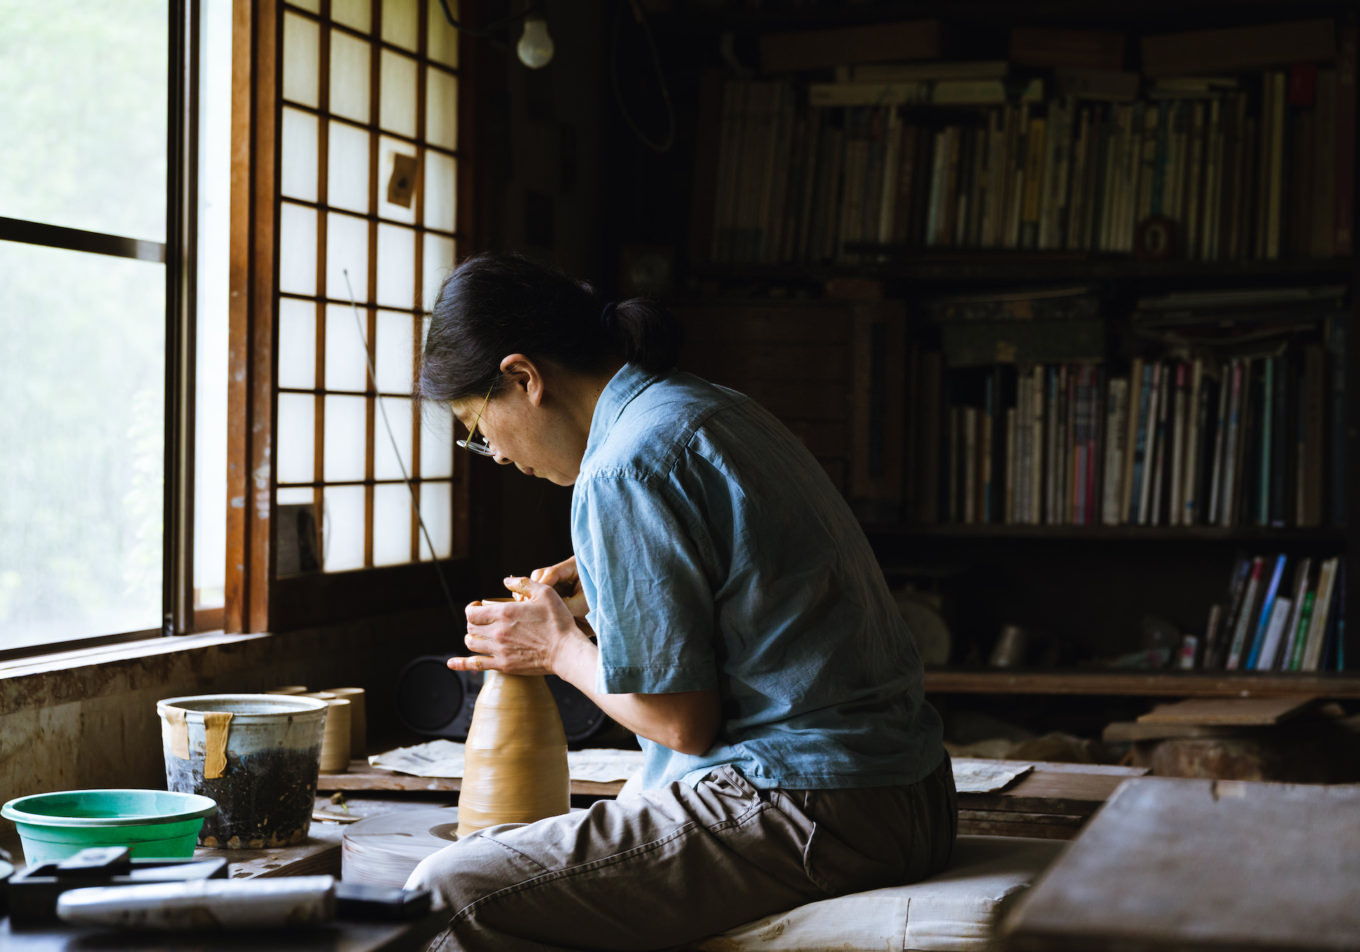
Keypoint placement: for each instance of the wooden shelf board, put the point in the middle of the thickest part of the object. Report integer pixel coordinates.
(1152, 684)
(1256, 534)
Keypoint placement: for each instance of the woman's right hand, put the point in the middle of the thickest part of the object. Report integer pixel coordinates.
(564, 580)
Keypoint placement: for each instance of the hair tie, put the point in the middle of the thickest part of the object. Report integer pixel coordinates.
(607, 316)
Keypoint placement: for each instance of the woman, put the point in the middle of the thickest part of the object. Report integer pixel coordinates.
(727, 609)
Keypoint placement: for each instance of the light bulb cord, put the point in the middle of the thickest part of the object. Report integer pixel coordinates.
(668, 140)
(490, 29)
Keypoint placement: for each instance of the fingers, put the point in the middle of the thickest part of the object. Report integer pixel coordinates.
(472, 663)
(528, 587)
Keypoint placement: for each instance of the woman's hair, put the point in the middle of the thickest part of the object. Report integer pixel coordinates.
(499, 304)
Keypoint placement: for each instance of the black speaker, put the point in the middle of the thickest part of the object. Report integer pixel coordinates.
(436, 702)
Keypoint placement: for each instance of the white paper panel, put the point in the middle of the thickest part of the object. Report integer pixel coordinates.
(436, 509)
(401, 22)
(346, 250)
(312, 5)
(345, 364)
(342, 529)
(355, 13)
(344, 438)
(397, 93)
(301, 60)
(441, 108)
(297, 249)
(391, 524)
(385, 461)
(443, 42)
(388, 149)
(396, 266)
(350, 63)
(395, 363)
(438, 265)
(440, 205)
(347, 167)
(293, 495)
(296, 437)
(297, 343)
(436, 442)
(297, 178)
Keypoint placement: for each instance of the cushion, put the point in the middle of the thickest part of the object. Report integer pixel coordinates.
(953, 911)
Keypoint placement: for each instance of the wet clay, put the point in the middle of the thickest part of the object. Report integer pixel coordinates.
(515, 766)
(260, 797)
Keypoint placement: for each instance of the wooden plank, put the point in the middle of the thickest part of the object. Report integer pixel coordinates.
(1202, 864)
(1237, 711)
(1123, 732)
(1113, 683)
(1049, 826)
(1073, 789)
(363, 777)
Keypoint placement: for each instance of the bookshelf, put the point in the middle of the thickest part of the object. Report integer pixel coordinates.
(1247, 168)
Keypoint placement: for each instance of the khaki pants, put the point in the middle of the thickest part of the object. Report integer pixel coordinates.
(674, 865)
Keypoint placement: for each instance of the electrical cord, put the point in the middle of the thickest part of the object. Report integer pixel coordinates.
(668, 140)
(487, 31)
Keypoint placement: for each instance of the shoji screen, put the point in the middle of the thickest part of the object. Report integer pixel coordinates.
(366, 232)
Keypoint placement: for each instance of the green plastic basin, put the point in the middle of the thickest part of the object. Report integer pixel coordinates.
(153, 824)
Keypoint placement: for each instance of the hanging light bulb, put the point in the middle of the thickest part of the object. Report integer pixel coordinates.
(535, 47)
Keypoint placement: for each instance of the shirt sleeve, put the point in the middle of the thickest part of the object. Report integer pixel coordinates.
(646, 563)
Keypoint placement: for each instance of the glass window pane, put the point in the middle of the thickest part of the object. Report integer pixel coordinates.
(437, 266)
(355, 13)
(346, 258)
(397, 94)
(297, 249)
(83, 109)
(210, 377)
(347, 167)
(440, 179)
(344, 438)
(297, 343)
(82, 381)
(436, 510)
(298, 175)
(391, 524)
(301, 60)
(395, 361)
(296, 440)
(346, 352)
(389, 152)
(350, 61)
(443, 38)
(342, 528)
(401, 23)
(396, 266)
(441, 108)
(436, 442)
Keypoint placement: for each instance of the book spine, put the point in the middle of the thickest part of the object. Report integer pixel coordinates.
(1037, 446)
(1195, 412)
(1267, 419)
(1301, 630)
(1245, 615)
(1337, 345)
(1263, 620)
(1317, 627)
(1280, 660)
(1178, 432)
(1279, 619)
(1148, 439)
(1116, 429)
(1228, 495)
(1343, 193)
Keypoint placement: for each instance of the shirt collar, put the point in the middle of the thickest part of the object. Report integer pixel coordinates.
(616, 395)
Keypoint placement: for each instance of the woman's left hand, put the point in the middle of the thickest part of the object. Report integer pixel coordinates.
(525, 636)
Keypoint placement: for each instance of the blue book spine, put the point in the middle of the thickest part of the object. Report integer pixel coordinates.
(1263, 621)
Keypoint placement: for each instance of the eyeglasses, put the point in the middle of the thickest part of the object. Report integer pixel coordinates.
(481, 447)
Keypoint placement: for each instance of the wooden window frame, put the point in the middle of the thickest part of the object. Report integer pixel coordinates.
(257, 600)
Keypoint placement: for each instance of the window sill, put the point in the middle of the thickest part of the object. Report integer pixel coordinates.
(78, 674)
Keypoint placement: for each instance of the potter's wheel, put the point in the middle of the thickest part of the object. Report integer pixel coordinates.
(383, 850)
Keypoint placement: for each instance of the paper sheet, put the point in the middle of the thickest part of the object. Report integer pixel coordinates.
(987, 776)
(444, 758)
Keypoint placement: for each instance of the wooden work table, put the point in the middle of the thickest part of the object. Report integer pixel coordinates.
(1202, 864)
(1052, 800)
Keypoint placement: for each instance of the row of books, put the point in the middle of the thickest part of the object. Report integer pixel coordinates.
(1205, 168)
(1280, 613)
(1237, 441)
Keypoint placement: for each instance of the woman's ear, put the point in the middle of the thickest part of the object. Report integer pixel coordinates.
(526, 375)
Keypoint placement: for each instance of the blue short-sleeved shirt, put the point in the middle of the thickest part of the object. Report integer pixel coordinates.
(715, 553)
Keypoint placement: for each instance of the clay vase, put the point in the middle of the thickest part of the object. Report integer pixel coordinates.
(515, 768)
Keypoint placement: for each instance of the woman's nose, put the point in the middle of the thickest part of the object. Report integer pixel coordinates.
(500, 458)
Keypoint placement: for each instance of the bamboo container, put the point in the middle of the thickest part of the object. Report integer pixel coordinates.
(335, 740)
